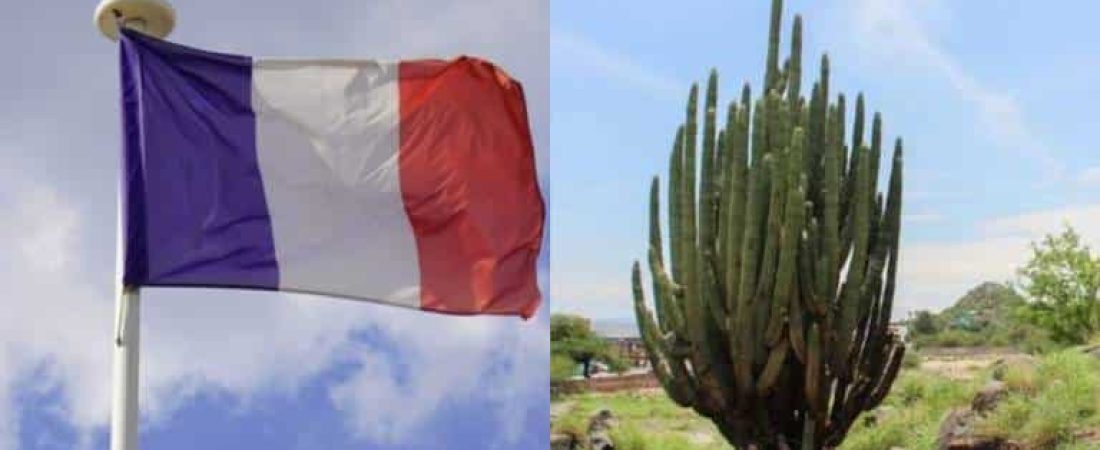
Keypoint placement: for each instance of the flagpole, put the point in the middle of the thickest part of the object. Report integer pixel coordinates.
(156, 18)
(124, 404)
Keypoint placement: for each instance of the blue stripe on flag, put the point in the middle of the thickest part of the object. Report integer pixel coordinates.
(194, 206)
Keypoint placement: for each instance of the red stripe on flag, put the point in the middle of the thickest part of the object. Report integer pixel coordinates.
(469, 186)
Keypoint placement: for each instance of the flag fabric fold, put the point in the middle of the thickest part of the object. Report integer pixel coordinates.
(411, 183)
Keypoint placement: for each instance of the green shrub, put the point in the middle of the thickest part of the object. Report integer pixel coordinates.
(1011, 415)
(1021, 378)
(918, 403)
(1064, 396)
(953, 338)
(575, 425)
(924, 322)
(1031, 339)
(561, 367)
(1061, 280)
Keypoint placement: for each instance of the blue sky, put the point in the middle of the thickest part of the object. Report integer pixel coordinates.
(225, 369)
(995, 101)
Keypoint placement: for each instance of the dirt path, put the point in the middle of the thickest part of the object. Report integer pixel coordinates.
(961, 363)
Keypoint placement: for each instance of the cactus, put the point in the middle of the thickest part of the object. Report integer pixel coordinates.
(772, 310)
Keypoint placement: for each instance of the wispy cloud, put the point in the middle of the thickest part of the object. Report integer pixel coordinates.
(577, 52)
(58, 324)
(935, 273)
(466, 363)
(898, 31)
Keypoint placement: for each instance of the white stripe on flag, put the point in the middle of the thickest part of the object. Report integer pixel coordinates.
(327, 143)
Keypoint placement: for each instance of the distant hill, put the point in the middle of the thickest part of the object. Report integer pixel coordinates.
(988, 304)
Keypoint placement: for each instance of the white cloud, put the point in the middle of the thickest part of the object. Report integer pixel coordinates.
(934, 274)
(466, 364)
(47, 317)
(242, 344)
(50, 226)
(898, 32)
(573, 49)
(596, 293)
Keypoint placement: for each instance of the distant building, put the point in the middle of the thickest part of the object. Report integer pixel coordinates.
(901, 329)
(623, 336)
(631, 350)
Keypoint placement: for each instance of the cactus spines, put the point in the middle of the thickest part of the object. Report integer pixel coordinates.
(772, 311)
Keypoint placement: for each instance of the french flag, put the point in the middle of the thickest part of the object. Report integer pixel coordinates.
(410, 183)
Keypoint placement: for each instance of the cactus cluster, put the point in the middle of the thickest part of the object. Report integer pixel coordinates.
(773, 301)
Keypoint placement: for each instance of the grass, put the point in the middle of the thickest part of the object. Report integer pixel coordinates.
(1021, 336)
(1062, 397)
(645, 421)
(912, 414)
(1045, 407)
(650, 421)
(631, 438)
(1048, 405)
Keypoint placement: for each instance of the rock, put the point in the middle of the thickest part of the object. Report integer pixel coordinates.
(956, 434)
(982, 443)
(599, 430)
(1092, 350)
(999, 366)
(559, 441)
(600, 442)
(988, 397)
(955, 425)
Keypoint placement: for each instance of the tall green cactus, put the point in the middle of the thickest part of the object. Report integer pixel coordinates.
(772, 312)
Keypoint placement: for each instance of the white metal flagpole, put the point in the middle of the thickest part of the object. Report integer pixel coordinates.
(124, 402)
(156, 18)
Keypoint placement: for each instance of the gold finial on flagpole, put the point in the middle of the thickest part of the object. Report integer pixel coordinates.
(153, 17)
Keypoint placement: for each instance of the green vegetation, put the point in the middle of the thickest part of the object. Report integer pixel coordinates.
(645, 421)
(780, 277)
(573, 342)
(986, 305)
(912, 413)
(1045, 407)
(986, 316)
(1051, 404)
(561, 366)
(924, 322)
(1061, 280)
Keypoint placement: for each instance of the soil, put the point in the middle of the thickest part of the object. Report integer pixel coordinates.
(961, 363)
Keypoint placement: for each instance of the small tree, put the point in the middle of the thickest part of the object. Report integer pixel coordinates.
(924, 322)
(572, 336)
(1061, 281)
